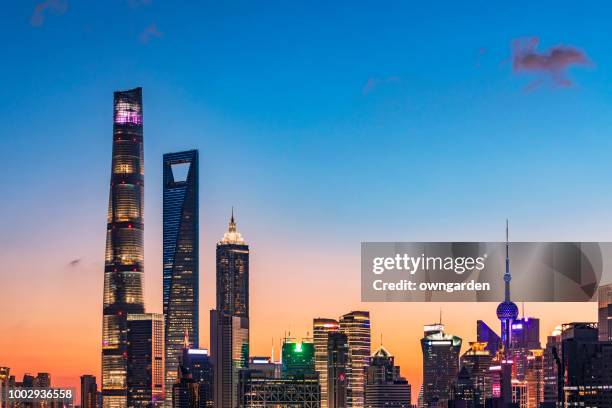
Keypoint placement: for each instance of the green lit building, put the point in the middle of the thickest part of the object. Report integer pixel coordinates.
(298, 359)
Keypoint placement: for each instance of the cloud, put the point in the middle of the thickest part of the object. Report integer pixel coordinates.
(149, 33)
(552, 64)
(41, 10)
(74, 262)
(373, 83)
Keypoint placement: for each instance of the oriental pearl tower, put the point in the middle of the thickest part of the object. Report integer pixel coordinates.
(507, 312)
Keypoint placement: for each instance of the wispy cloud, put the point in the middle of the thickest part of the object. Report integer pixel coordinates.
(74, 262)
(41, 10)
(149, 33)
(373, 83)
(551, 65)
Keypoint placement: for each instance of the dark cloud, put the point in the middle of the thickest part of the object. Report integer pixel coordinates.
(74, 262)
(149, 33)
(373, 83)
(41, 10)
(552, 64)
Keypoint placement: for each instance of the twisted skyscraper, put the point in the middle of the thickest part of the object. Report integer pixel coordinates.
(123, 264)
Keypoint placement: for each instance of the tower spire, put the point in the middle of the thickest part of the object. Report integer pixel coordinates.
(507, 276)
(232, 223)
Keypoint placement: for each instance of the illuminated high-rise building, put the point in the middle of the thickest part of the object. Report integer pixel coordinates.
(484, 334)
(4, 385)
(321, 327)
(337, 366)
(385, 387)
(586, 366)
(507, 312)
(534, 377)
(604, 300)
(180, 259)
(123, 265)
(525, 336)
(298, 358)
(477, 360)
(440, 364)
(194, 388)
(463, 393)
(233, 273)
(145, 360)
(89, 391)
(552, 365)
(229, 323)
(356, 326)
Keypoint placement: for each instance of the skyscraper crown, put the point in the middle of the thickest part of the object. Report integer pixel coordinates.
(232, 236)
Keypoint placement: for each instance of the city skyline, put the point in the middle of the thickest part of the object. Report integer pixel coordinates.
(315, 157)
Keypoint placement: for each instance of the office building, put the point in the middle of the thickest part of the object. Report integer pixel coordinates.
(484, 334)
(534, 378)
(233, 273)
(230, 354)
(321, 327)
(229, 322)
(440, 364)
(5, 375)
(194, 386)
(552, 367)
(123, 263)
(356, 326)
(145, 360)
(463, 392)
(337, 368)
(89, 391)
(180, 258)
(385, 387)
(604, 302)
(297, 386)
(525, 336)
(298, 358)
(477, 360)
(587, 366)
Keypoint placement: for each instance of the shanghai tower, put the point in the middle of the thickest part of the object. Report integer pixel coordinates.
(180, 259)
(123, 264)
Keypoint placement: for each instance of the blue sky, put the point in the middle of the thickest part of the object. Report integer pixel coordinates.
(448, 141)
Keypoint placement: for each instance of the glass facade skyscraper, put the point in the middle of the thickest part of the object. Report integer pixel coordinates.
(356, 326)
(229, 323)
(123, 264)
(145, 360)
(233, 273)
(321, 327)
(604, 310)
(89, 391)
(180, 258)
(385, 387)
(440, 364)
(337, 366)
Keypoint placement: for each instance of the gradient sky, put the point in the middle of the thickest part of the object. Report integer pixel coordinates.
(323, 123)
